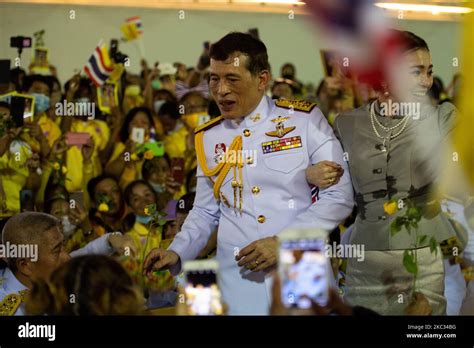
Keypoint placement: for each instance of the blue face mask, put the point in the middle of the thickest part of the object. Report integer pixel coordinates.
(41, 102)
(158, 188)
(143, 219)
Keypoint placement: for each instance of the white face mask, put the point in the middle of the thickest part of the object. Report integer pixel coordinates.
(68, 227)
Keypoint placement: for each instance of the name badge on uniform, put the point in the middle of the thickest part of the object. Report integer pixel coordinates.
(281, 144)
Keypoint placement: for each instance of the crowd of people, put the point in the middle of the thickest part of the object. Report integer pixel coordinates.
(139, 157)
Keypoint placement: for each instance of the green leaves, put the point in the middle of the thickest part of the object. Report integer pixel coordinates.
(410, 262)
(434, 245)
(396, 225)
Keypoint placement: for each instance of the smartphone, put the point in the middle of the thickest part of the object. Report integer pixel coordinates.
(77, 138)
(78, 198)
(177, 169)
(17, 109)
(303, 267)
(203, 296)
(138, 135)
(26, 200)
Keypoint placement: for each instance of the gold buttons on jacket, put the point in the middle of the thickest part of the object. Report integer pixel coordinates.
(249, 160)
(255, 190)
(247, 132)
(261, 219)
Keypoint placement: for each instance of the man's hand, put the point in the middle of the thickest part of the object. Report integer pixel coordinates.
(122, 244)
(324, 174)
(159, 259)
(259, 255)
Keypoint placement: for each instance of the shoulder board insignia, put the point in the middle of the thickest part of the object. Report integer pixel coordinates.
(299, 105)
(208, 125)
(10, 304)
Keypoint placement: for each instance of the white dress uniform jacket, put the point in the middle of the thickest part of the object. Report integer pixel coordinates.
(275, 193)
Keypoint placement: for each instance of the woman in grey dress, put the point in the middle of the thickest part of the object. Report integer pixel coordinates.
(397, 154)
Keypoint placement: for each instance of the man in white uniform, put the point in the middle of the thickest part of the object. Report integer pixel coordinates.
(258, 187)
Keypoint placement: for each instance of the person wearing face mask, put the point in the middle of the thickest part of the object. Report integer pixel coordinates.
(397, 155)
(80, 91)
(124, 163)
(75, 223)
(157, 173)
(43, 131)
(139, 194)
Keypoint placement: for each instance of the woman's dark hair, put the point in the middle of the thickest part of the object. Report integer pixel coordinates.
(91, 185)
(168, 95)
(246, 44)
(406, 41)
(131, 186)
(170, 108)
(124, 133)
(149, 165)
(30, 79)
(54, 191)
(437, 88)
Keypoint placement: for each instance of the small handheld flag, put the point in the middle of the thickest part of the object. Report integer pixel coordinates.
(99, 66)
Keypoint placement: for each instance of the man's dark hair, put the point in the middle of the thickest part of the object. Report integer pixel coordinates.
(246, 44)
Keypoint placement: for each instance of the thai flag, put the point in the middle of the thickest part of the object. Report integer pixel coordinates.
(99, 66)
(314, 193)
(137, 21)
(358, 30)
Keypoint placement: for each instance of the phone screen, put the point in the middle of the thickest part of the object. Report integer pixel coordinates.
(203, 296)
(304, 271)
(26, 200)
(138, 135)
(177, 169)
(77, 138)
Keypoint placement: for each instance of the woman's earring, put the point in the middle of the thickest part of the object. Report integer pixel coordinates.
(386, 93)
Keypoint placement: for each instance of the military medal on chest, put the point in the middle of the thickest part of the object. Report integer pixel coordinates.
(281, 130)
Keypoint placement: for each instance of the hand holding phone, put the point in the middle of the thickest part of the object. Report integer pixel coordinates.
(304, 269)
(203, 296)
(77, 138)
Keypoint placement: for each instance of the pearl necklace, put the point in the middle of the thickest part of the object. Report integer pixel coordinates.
(386, 129)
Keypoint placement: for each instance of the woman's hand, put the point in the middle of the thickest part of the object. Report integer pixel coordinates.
(324, 174)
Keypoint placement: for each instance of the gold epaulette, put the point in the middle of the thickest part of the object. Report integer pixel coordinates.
(10, 304)
(208, 125)
(299, 105)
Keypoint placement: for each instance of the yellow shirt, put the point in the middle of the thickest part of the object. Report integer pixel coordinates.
(13, 175)
(129, 174)
(50, 129)
(99, 131)
(144, 240)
